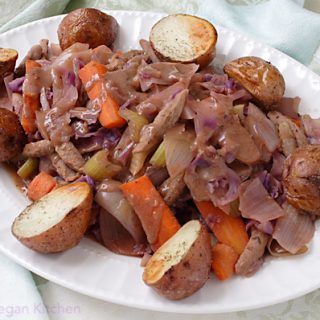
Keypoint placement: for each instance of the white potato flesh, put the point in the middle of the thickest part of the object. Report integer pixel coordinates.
(172, 251)
(50, 210)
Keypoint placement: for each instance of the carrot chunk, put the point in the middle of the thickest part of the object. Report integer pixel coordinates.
(224, 259)
(31, 103)
(92, 72)
(151, 209)
(42, 184)
(109, 116)
(227, 229)
(91, 76)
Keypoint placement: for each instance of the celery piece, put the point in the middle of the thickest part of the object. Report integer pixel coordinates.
(28, 168)
(137, 162)
(159, 157)
(135, 123)
(99, 167)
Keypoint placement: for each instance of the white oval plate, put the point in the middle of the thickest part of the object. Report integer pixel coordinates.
(93, 270)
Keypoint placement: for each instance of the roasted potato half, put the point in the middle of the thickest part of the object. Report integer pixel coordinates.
(301, 178)
(8, 58)
(57, 221)
(12, 136)
(262, 79)
(87, 25)
(184, 38)
(181, 266)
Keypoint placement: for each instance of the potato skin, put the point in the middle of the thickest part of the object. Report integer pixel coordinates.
(263, 80)
(301, 178)
(190, 274)
(202, 60)
(64, 235)
(87, 25)
(12, 136)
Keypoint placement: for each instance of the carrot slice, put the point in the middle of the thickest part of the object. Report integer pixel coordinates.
(42, 184)
(31, 103)
(109, 116)
(31, 64)
(157, 219)
(297, 122)
(224, 259)
(91, 76)
(227, 229)
(95, 90)
(91, 72)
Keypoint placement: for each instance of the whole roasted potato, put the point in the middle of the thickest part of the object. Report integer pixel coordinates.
(301, 178)
(87, 25)
(262, 79)
(12, 136)
(181, 266)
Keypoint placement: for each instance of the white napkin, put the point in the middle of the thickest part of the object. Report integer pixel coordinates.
(19, 297)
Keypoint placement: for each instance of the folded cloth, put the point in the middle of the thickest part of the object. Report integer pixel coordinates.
(18, 12)
(19, 297)
(282, 24)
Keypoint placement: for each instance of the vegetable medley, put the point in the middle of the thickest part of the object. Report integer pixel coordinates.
(162, 142)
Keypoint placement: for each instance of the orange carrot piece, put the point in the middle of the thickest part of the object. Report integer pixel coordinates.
(31, 64)
(149, 205)
(168, 227)
(95, 90)
(91, 72)
(109, 116)
(297, 122)
(227, 229)
(224, 259)
(31, 103)
(42, 184)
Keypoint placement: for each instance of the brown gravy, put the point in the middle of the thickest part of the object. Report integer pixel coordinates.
(18, 181)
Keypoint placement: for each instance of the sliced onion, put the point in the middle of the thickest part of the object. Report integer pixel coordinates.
(276, 250)
(108, 185)
(261, 128)
(289, 107)
(40, 120)
(277, 165)
(256, 203)
(116, 238)
(137, 161)
(312, 129)
(187, 112)
(17, 103)
(16, 84)
(118, 206)
(164, 73)
(147, 48)
(178, 149)
(265, 227)
(44, 97)
(294, 230)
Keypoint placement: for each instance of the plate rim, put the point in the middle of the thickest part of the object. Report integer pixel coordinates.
(138, 305)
